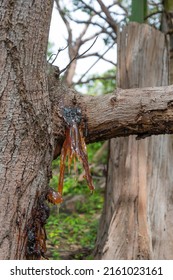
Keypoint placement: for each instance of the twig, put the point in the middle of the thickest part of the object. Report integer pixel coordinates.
(103, 29)
(92, 37)
(78, 56)
(92, 9)
(100, 57)
(113, 4)
(56, 54)
(109, 18)
(151, 3)
(152, 14)
(94, 79)
(123, 8)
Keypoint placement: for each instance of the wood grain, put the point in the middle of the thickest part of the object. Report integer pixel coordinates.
(136, 221)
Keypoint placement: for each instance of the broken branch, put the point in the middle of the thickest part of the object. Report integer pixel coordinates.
(142, 112)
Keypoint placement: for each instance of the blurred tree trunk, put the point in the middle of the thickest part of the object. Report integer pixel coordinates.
(167, 27)
(137, 218)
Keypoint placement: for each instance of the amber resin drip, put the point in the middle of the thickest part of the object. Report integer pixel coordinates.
(53, 196)
(74, 147)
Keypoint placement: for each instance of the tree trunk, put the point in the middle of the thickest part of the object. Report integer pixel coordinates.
(136, 222)
(25, 118)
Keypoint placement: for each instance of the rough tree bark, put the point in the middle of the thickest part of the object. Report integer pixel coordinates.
(30, 117)
(25, 117)
(137, 219)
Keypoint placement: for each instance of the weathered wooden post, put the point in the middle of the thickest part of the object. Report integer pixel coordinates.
(137, 218)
